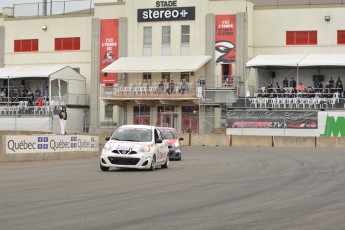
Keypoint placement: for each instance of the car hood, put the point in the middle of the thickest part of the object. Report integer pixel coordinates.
(171, 141)
(126, 145)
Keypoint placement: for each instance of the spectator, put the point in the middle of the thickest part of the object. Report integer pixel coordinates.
(300, 87)
(38, 92)
(331, 82)
(184, 87)
(171, 87)
(339, 88)
(285, 83)
(338, 81)
(160, 88)
(45, 92)
(40, 101)
(293, 83)
(63, 120)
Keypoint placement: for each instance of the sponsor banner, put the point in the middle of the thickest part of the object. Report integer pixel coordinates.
(272, 119)
(50, 144)
(109, 37)
(166, 14)
(225, 38)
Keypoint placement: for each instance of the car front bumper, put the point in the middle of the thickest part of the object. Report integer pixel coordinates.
(136, 161)
(174, 153)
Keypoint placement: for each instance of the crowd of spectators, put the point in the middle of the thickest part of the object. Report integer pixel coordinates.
(24, 94)
(291, 89)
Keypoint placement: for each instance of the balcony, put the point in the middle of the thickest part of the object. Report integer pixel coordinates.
(149, 92)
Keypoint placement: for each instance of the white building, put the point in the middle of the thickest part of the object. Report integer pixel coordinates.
(140, 43)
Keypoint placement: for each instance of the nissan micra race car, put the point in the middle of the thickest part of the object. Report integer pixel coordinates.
(135, 146)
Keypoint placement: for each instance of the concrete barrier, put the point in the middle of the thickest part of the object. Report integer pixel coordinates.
(299, 142)
(186, 139)
(210, 140)
(330, 142)
(189, 140)
(251, 141)
(47, 146)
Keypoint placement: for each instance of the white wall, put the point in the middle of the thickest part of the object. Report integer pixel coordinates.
(271, 24)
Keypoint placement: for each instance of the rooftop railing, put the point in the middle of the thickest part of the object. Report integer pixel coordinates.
(52, 8)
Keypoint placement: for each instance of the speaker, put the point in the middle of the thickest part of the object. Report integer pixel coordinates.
(22, 82)
(273, 74)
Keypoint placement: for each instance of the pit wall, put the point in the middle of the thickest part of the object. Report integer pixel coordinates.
(40, 146)
(262, 141)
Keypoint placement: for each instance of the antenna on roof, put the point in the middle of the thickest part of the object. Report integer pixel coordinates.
(44, 8)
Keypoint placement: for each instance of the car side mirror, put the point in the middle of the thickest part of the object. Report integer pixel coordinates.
(181, 139)
(159, 141)
(107, 138)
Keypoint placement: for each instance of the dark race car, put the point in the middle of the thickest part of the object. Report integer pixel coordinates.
(174, 145)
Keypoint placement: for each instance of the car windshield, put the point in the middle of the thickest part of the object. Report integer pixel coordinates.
(169, 134)
(133, 134)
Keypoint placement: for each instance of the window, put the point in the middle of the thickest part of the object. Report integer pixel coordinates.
(301, 37)
(27, 45)
(141, 115)
(108, 111)
(185, 35)
(77, 69)
(146, 76)
(166, 77)
(341, 36)
(67, 43)
(147, 36)
(185, 76)
(166, 35)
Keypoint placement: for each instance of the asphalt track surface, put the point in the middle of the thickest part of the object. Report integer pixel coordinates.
(211, 188)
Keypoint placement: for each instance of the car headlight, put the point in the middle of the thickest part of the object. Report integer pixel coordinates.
(146, 148)
(107, 147)
(176, 144)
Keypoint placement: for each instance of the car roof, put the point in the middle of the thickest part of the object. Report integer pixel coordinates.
(138, 126)
(167, 128)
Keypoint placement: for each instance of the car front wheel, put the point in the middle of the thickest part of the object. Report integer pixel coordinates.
(153, 163)
(166, 164)
(103, 168)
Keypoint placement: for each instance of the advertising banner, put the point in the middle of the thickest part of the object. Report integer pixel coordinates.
(51, 143)
(166, 14)
(272, 119)
(225, 38)
(109, 37)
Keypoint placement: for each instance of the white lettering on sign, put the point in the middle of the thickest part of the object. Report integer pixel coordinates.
(166, 14)
(50, 143)
(159, 14)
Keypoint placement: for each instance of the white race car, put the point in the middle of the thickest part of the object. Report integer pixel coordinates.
(135, 146)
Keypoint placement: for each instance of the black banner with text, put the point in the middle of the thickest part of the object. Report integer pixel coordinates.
(272, 119)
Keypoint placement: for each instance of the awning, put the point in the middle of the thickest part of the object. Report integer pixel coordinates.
(298, 60)
(6, 72)
(31, 71)
(156, 64)
(323, 60)
(276, 60)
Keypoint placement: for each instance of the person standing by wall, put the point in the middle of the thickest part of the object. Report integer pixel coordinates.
(63, 120)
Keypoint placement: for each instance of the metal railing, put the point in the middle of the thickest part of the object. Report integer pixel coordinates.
(52, 8)
(299, 2)
(148, 91)
(70, 99)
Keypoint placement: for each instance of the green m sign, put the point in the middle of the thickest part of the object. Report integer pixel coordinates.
(335, 127)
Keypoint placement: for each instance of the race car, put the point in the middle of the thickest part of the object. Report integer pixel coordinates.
(135, 146)
(174, 145)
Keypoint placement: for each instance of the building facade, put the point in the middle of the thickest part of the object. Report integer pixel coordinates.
(130, 51)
